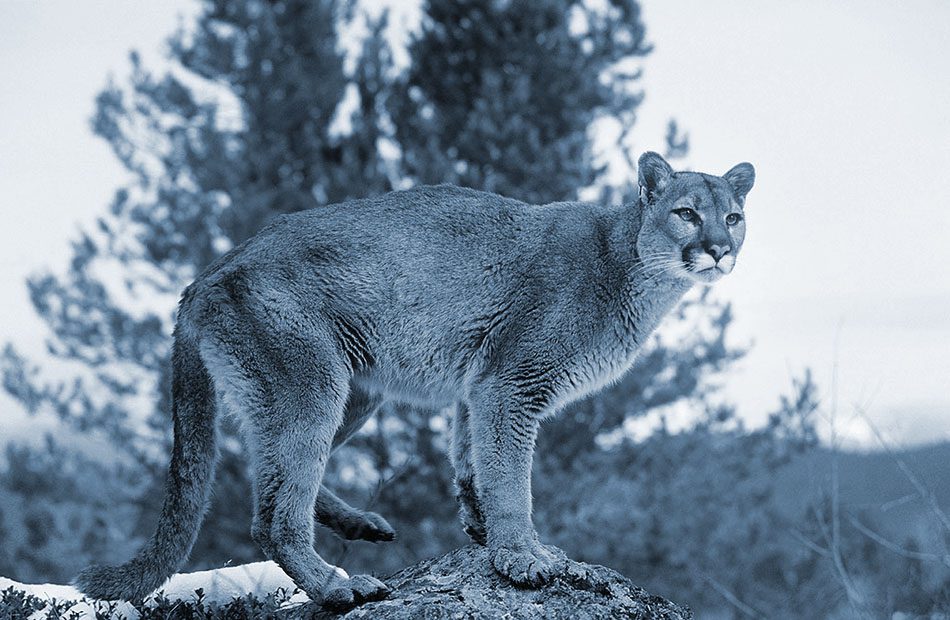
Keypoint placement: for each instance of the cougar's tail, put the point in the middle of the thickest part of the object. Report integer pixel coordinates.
(186, 490)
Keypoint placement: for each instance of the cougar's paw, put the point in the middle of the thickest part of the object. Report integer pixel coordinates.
(528, 564)
(365, 526)
(354, 591)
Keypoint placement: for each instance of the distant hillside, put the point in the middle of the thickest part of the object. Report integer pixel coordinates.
(869, 481)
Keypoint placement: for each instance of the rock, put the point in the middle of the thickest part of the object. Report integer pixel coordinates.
(462, 584)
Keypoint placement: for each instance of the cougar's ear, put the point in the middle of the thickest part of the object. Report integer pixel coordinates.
(741, 177)
(653, 174)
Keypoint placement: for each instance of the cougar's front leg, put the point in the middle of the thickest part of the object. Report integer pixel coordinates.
(473, 521)
(504, 425)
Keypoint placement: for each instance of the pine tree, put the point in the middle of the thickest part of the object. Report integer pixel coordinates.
(500, 95)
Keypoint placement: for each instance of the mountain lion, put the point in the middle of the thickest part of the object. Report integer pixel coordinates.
(440, 296)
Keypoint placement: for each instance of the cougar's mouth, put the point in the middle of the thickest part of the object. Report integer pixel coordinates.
(703, 268)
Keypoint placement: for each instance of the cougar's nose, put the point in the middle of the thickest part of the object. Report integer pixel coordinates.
(717, 251)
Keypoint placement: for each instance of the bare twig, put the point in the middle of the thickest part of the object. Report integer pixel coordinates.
(734, 600)
(811, 544)
(833, 537)
(907, 553)
(894, 503)
(926, 494)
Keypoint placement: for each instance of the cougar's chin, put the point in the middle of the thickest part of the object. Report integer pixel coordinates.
(706, 276)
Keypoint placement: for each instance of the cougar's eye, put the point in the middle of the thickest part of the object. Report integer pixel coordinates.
(686, 214)
(733, 218)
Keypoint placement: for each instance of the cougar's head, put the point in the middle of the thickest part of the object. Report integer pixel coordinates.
(693, 223)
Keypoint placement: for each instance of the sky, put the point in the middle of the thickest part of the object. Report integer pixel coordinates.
(842, 107)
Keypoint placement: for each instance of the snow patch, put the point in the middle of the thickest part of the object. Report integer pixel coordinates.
(219, 586)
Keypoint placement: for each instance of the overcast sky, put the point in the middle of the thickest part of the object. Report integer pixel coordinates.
(844, 108)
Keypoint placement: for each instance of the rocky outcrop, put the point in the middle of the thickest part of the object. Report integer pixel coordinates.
(462, 584)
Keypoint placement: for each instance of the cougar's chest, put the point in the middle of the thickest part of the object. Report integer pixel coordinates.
(594, 370)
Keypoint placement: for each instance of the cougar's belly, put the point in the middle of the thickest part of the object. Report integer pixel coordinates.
(421, 373)
(418, 357)
(411, 388)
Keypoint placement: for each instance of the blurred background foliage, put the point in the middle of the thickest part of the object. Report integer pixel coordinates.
(263, 112)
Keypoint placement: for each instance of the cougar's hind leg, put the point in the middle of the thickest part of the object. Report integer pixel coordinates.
(332, 512)
(460, 452)
(360, 405)
(346, 521)
(291, 403)
(351, 523)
